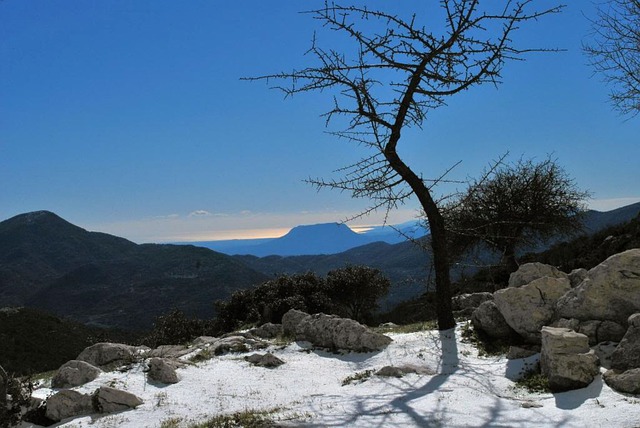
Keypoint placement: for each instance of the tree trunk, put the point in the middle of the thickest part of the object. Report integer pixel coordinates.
(509, 258)
(4, 380)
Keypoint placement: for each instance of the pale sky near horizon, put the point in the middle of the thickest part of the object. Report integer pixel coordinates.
(129, 117)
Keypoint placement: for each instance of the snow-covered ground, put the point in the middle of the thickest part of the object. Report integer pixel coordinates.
(464, 391)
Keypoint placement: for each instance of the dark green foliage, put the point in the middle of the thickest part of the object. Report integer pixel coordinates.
(19, 392)
(355, 290)
(175, 328)
(32, 341)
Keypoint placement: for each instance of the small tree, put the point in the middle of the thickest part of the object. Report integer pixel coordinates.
(514, 206)
(399, 73)
(356, 290)
(615, 52)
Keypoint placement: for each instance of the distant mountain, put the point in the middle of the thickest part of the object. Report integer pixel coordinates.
(326, 238)
(48, 263)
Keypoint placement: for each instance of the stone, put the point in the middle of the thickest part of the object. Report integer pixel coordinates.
(611, 291)
(487, 318)
(601, 331)
(627, 382)
(236, 343)
(264, 360)
(110, 400)
(566, 359)
(604, 351)
(576, 276)
(169, 351)
(329, 331)
(531, 271)
(393, 371)
(267, 331)
(518, 352)
(291, 320)
(529, 307)
(390, 371)
(102, 354)
(471, 301)
(627, 355)
(204, 340)
(74, 373)
(67, 404)
(162, 370)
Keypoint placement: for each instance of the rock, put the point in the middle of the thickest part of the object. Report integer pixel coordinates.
(531, 271)
(264, 360)
(627, 382)
(393, 371)
(604, 350)
(611, 291)
(576, 276)
(529, 307)
(571, 324)
(328, 331)
(601, 331)
(518, 352)
(464, 302)
(627, 354)
(267, 331)
(162, 370)
(390, 371)
(102, 354)
(67, 404)
(74, 373)
(236, 344)
(487, 318)
(204, 340)
(531, 405)
(291, 320)
(169, 351)
(566, 359)
(110, 400)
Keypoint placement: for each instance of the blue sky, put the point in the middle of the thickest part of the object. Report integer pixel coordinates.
(129, 117)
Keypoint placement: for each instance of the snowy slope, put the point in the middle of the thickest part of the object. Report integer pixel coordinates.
(307, 390)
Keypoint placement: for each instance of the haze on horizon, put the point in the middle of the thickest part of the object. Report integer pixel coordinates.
(129, 118)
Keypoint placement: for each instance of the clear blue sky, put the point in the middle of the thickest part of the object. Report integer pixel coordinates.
(129, 117)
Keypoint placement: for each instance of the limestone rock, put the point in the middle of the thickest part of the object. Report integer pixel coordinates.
(518, 352)
(487, 318)
(627, 381)
(67, 404)
(163, 371)
(531, 271)
(291, 320)
(604, 351)
(110, 400)
(611, 291)
(105, 353)
(267, 331)
(627, 354)
(264, 360)
(529, 307)
(466, 302)
(576, 276)
(74, 373)
(168, 351)
(332, 332)
(236, 343)
(566, 359)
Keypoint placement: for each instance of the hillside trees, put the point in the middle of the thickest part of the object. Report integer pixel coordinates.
(397, 74)
(615, 52)
(514, 206)
(355, 290)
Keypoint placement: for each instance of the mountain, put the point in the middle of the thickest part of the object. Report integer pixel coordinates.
(49, 263)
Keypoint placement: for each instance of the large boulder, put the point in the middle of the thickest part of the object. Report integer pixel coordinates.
(597, 331)
(488, 319)
(291, 320)
(566, 359)
(162, 370)
(67, 404)
(329, 331)
(102, 354)
(110, 400)
(529, 307)
(531, 271)
(465, 304)
(611, 291)
(74, 373)
(627, 354)
(627, 381)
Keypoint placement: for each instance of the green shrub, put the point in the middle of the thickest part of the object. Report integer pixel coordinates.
(175, 328)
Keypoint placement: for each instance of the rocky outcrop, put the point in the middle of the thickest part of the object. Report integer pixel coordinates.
(67, 404)
(627, 354)
(611, 291)
(529, 307)
(329, 331)
(531, 271)
(110, 400)
(74, 373)
(291, 320)
(163, 370)
(102, 354)
(488, 319)
(566, 359)
(236, 343)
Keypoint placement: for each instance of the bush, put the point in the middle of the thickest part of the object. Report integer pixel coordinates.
(175, 328)
(20, 393)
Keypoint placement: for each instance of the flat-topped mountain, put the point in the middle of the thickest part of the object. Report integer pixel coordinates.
(49, 263)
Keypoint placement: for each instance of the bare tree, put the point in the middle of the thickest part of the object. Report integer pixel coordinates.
(514, 206)
(615, 52)
(401, 71)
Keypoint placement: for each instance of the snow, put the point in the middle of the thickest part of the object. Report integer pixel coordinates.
(465, 391)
